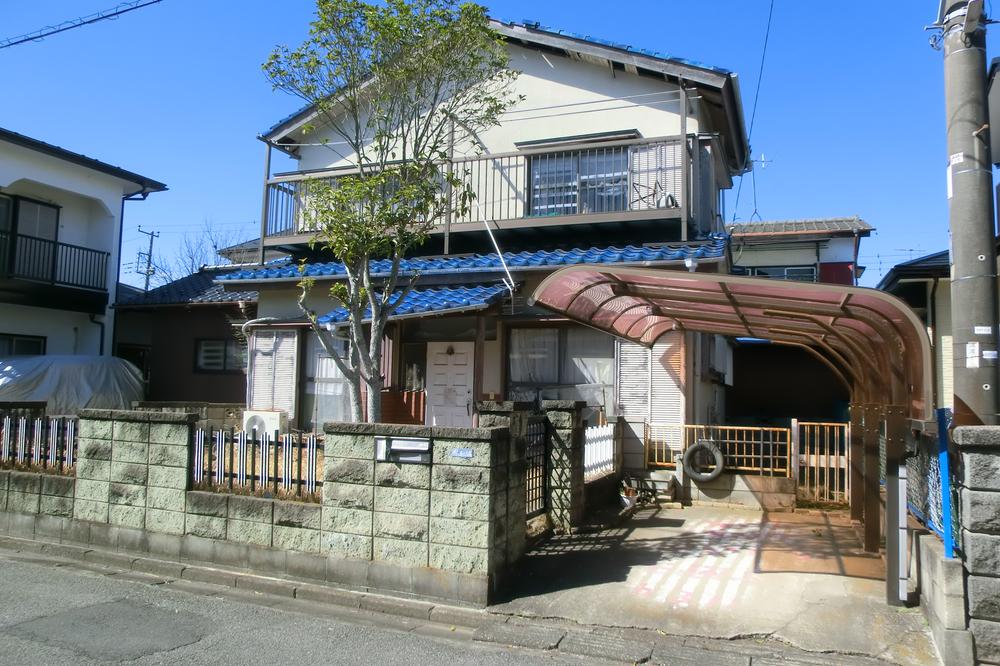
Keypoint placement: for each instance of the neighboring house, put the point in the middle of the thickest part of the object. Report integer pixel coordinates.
(769, 379)
(925, 285)
(821, 250)
(185, 337)
(60, 239)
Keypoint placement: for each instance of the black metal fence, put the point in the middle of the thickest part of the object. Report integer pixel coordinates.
(258, 463)
(42, 443)
(537, 457)
(43, 260)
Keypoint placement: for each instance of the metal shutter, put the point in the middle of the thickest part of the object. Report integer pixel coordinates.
(633, 381)
(273, 370)
(946, 361)
(667, 380)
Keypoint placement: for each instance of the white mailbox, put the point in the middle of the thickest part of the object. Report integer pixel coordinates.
(403, 449)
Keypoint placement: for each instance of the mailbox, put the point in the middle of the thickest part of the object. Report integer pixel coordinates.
(403, 449)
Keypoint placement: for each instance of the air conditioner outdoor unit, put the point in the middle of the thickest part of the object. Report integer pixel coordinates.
(265, 421)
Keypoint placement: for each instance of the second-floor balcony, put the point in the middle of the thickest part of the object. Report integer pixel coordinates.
(631, 179)
(47, 262)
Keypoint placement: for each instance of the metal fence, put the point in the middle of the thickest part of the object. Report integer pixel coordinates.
(749, 450)
(931, 497)
(287, 466)
(824, 462)
(598, 451)
(537, 474)
(44, 443)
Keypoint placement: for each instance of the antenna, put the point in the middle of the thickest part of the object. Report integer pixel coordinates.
(147, 257)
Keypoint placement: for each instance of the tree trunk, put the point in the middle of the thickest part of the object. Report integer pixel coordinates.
(374, 385)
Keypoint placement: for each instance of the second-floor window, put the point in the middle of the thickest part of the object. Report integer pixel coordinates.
(794, 273)
(588, 181)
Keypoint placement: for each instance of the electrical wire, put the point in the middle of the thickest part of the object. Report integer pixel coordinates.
(48, 31)
(753, 113)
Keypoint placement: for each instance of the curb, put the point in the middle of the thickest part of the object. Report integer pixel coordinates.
(241, 580)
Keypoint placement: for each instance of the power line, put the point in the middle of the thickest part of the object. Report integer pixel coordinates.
(756, 96)
(50, 30)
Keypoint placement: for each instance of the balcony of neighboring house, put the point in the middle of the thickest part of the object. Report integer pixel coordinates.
(667, 184)
(36, 268)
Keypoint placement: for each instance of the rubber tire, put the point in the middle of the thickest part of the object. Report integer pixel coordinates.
(715, 451)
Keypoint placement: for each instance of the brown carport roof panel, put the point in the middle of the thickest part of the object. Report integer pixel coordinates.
(873, 337)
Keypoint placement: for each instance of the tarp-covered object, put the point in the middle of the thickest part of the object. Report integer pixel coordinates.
(70, 383)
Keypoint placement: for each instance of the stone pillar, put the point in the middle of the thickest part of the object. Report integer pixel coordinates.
(133, 469)
(979, 488)
(566, 484)
(513, 416)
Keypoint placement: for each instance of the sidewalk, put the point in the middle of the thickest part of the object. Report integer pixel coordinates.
(552, 635)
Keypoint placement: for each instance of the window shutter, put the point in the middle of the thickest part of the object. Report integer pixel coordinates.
(656, 173)
(667, 400)
(633, 381)
(274, 361)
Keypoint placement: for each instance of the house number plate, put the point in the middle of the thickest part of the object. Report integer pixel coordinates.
(461, 453)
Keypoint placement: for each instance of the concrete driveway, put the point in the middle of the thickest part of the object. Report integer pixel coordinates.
(725, 573)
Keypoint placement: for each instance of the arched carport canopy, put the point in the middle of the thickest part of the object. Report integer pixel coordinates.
(871, 340)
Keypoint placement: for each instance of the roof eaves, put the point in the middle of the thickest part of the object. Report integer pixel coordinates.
(148, 184)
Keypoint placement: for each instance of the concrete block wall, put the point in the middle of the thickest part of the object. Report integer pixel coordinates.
(941, 586)
(566, 480)
(451, 515)
(35, 493)
(979, 490)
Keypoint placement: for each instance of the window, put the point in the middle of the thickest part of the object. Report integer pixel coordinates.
(6, 213)
(794, 273)
(220, 356)
(413, 365)
(37, 220)
(593, 181)
(21, 345)
(561, 363)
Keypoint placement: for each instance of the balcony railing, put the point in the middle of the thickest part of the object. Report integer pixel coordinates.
(638, 178)
(41, 260)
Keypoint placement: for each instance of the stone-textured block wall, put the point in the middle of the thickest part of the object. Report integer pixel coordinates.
(132, 469)
(31, 492)
(450, 514)
(979, 489)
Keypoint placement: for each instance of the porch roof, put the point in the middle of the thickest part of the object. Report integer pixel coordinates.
(713, 248)
(421, 302)
(871, 340)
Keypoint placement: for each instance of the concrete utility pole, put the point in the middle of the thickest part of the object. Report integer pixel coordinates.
(149, 256)
(970, 195)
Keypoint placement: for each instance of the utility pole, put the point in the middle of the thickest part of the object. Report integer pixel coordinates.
(970, 199)
(148, 256)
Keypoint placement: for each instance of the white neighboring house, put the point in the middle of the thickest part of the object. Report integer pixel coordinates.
(60, 244)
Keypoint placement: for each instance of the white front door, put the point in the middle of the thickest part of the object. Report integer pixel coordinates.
(449, 383)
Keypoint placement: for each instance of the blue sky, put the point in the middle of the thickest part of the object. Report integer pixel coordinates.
(850, 117)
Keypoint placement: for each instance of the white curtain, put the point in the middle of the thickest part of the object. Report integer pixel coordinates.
(327, 396)
(534, 356)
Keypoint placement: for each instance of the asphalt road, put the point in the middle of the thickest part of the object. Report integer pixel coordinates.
(73, 613)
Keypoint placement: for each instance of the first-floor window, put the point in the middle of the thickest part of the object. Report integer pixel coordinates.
(220, 355)
(325, 394)
(21, 345)
(567, 363)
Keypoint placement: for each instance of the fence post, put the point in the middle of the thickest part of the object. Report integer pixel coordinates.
(793, 452)
(566, 483)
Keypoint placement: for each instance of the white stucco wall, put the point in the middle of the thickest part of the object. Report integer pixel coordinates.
(587, 99)
(64, 332)
(90, 216)
(794, 253)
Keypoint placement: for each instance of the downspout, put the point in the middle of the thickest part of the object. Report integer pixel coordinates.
(113, 290)
(93, 320)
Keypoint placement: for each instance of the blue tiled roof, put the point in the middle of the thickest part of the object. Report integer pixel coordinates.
(429, 301)
(712, 249)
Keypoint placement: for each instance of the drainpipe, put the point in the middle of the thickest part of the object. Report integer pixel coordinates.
(113, 289)
(93, 320)
(937, 350)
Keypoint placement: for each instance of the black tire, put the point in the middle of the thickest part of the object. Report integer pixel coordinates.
(690, 456)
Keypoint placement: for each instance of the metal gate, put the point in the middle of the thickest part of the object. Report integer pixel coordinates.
(824, 461)
(536, 457)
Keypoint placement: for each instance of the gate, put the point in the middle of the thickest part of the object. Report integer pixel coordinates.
(537, 473)
(824, 461)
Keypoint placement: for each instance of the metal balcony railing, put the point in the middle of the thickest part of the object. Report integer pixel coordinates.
(61, 264)
(636, 178)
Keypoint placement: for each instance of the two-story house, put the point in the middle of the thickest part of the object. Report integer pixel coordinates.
(614, 156)
(60, 241)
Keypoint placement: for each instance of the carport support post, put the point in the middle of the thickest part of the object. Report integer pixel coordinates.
(895, 506)
(857, 453)
(873, 528)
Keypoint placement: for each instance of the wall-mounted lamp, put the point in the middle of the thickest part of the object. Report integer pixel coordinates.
(691, 263)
